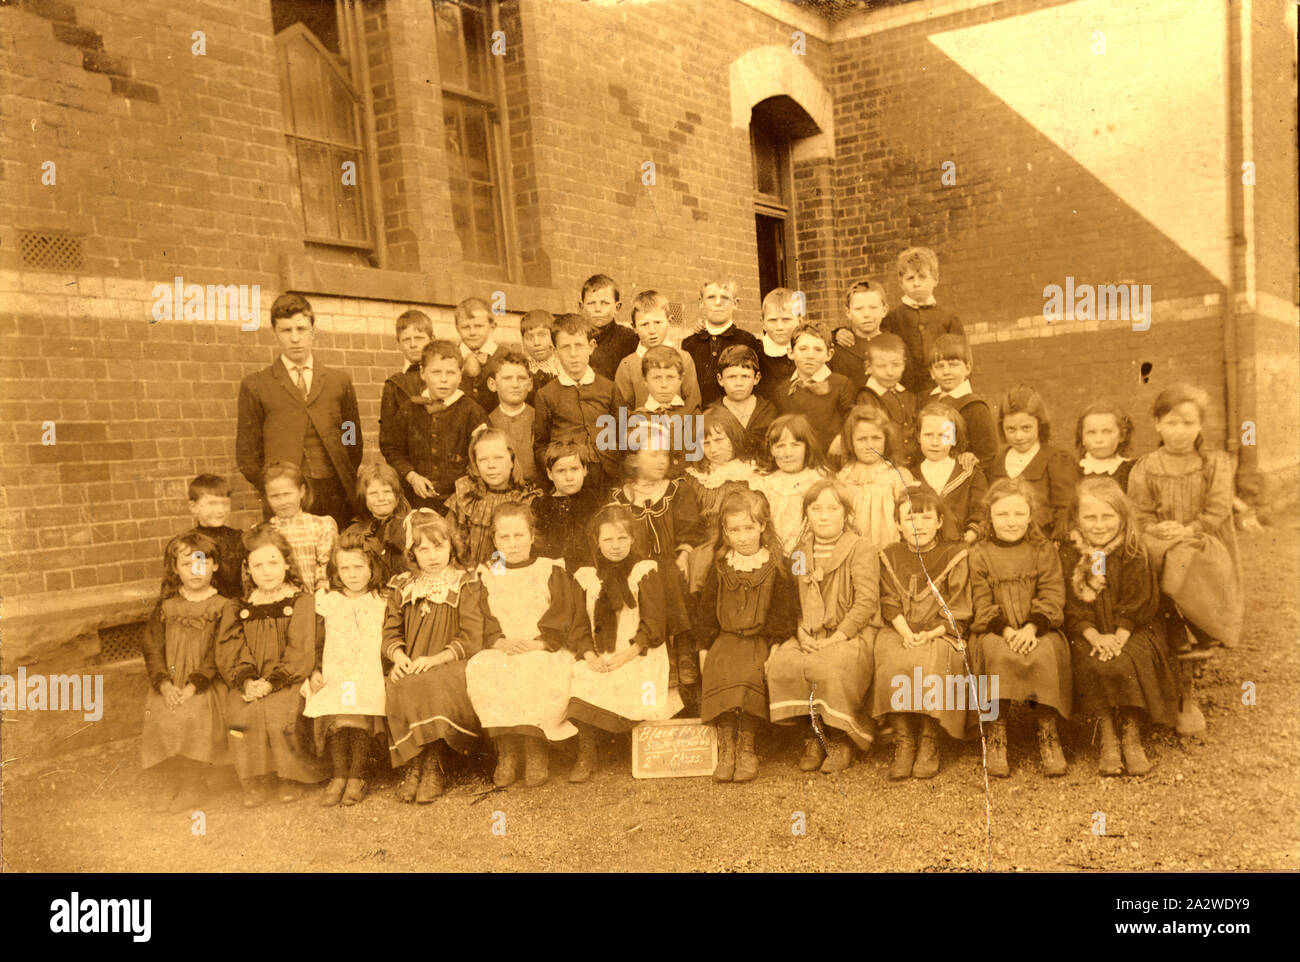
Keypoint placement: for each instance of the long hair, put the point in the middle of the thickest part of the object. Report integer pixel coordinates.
(1108, 491)
(1006, 488)
(355, 541)
(425, 524)
(1023, 399)
(718, 420)
(1176, 394)
(870, 414)
(748, 502)
(801, 430)
(184, 546)
(260, 536)
(1122, 421)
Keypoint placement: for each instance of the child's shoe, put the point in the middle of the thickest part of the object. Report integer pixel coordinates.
(1135, 757)
(537, 761)
(813, 754)
(1109, 762)
(904, 748)
(746, 752)
(585, 763)
(289, 791)
(726, 768)
(1189, 721)
(507, 761)
(997, 749)
(254, 792)
(1049, 744)
(333, 792)
(927, 756)
(410, 782)
(839, 757)
(356, 791)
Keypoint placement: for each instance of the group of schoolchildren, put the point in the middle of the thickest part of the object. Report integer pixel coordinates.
(857, 515)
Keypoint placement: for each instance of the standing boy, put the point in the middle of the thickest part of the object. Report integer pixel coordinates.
(718, 303)
(865, 306)
(475, 326)
(570, 407)
(815, 391)
(951, 365)
(782, 313)
(918, 319)
(429, 444)
(886, 361)
(414, 331)
(210, 508)
(651, 322)
(599, 303)
(739, 377)
(513, 414)
(299, 411)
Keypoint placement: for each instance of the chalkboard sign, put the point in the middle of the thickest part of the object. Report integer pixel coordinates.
(676, 748)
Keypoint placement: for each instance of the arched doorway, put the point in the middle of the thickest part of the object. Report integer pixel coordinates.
(775, 123)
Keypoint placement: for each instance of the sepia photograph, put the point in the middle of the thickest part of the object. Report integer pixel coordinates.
(650, 436)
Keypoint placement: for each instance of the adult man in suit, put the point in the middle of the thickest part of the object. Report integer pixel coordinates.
(299, 411)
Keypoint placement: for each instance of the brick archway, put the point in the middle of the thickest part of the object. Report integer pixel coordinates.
(775, 71)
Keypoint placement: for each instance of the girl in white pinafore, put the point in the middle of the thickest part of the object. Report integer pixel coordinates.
(520, 686)
(622, 676)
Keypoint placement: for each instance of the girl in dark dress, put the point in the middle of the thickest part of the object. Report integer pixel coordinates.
(1102, 438)
(380, 520)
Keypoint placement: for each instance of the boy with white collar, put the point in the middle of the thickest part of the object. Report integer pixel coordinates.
(718, 303)
(570, 407)
(950, 367)
(813, 390)
(651, 322)
(475, 326)
(917, 319)
(512, 384)
(781, 315)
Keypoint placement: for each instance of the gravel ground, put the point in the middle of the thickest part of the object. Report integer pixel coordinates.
(1227, 803)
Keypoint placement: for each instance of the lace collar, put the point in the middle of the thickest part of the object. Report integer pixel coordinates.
(259, 597)
(752, 562)
(734, 470)
(790, 484)
(1110, 465)
(433, 587)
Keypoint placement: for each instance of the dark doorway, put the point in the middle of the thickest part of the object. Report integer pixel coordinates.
(771, 252)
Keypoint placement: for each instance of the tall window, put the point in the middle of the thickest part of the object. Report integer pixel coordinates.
(471, 114)
(773, 224)
(323, 121)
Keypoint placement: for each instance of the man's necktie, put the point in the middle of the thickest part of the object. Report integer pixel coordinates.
(301, 374)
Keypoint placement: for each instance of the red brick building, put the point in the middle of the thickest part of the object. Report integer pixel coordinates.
(386, 154)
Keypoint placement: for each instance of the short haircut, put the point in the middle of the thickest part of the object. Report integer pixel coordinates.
(536, 318)
(444, 349)
(648, 301)
(212, 484)
(368, 474)
(287, 305)
(920, 498)
(801, 430)
(918, 259)
(512, 355)
(870, 414)
(866, 287)
(356, 541)
(1122, 421)
(261, 535)
(286, 469)
(728, 284)
(416, 319)
(886, 343)
(471, 306)
(738, 355)
(947, 413)
(514, 509)
(1023, 399)
(838, 488)
(816, 330)
(663, 356)
(951, 347)
(782, 297)
(559, 450)
(572, 324)
(1179, 394)
(597, 282)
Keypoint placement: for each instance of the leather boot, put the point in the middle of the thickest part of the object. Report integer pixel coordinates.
(997, 749)
(904, 748)
(1135, 758)
(746, 752)
(507, 760)
(927, 755)
(813, 753)
(1109, 763)
(537, 761)
(838, 757)
(410, 781)
(585, 763)
(432, 783)
(726, 767)
(1049, 744)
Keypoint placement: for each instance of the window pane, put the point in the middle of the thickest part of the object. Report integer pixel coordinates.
(451, 56)
(478, 157)
(485, 225)
(455, 138)
(476, 50)
(317, 189)
(343, 128)
(460, 219)
(765, 167)
(316, 16)
(305, 83)
(351, 203)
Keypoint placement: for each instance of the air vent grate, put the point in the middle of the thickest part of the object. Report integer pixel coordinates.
(51, 251)
(120, 643)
